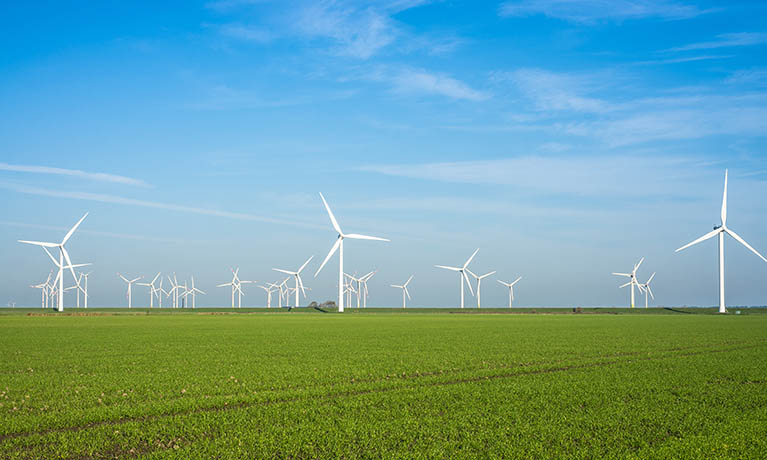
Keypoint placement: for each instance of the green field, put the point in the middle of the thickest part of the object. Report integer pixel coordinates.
(383, 385)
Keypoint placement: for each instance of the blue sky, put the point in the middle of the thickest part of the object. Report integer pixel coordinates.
(566, 139)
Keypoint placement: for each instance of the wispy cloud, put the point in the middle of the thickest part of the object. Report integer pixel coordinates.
(684, 59)
(125, 236)
(420, 81)
(754, 77)
(551, 91)
(113, 199)
(590, 11)
(246, 32)
(97, 176)
(726, 41)
(224, 97)
(553, 174)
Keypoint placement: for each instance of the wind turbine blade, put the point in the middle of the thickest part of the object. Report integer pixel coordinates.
(467, 282)
(621, 274)
(301, 284)
(305, 264)
(408, 280)
(651, 277)
(624, 285)
(55, 262)
(66, 238)
(356, 236)
(136, 279)
(488, 274)
(455, 269)
(69, 262)
(652, 296)
(472, 273)
(636, 267)
(505, 284)
(283, 271)
(157, 276)
(332, 217)
(407, 293)
(743, 242)
(332, 251)
(515, 281)
(724, 200)
(470, 258)
(224, 285)
(40, 243)
(708, 235)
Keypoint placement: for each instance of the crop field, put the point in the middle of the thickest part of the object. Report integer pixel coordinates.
(383, 385)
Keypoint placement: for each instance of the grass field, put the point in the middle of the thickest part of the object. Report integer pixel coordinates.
(384, 385)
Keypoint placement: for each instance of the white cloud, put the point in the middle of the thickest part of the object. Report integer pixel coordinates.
(551, 91)
(246, 32)
(97, 176)
(113, 199)
(726, 41)
(571, 175)
(421, 81)
(589, 11)
(755, 77)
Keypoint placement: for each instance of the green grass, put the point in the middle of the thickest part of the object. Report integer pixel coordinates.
(383, 385)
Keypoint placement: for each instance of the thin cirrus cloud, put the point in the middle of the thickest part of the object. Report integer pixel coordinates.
(726, 41)
(114, 199)
(96, 176)
(423, 82)
(552, 174)
(550, 91)
(590, 11)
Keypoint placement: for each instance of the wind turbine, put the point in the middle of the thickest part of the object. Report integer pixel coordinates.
(404, 290)
(85, 288)
(152, 289)
(462, 272)
(269, 288)
(193, 292)
(364, 280)
(297, 275)
(511, 289)
(63, 255)
(130, 285)
(720, 231)
(339, 245)
(632, 279)
(479, 284)
(645, 287)
(356, 291)
(174, 288)
(44, 288)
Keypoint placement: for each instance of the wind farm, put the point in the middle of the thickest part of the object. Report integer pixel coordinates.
(231, 229)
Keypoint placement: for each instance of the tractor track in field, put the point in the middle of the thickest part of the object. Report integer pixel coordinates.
(602, 361)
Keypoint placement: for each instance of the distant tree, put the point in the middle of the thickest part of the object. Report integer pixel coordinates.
(328, 304)
(313, 305)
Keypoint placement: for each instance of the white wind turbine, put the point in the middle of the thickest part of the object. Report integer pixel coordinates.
(720, 231)
(85, 287)
(511, 289)
(364, 280)
(404, 290)
(44, 290)
(130, 285)
(236, 285)
(63, 255)
(339, 245)
(479, 284)
(297, 275)
(632, 279)
(462, 274)
(152, 289)
(174, 288)
(357, 291)
(193, 292)
(269, 288)
(645, 287)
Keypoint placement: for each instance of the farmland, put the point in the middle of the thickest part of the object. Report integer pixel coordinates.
(416, 385)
